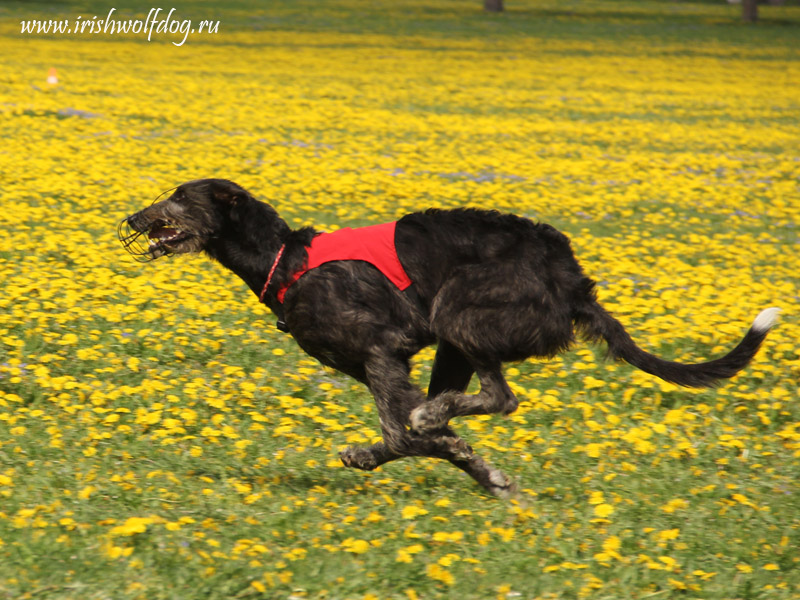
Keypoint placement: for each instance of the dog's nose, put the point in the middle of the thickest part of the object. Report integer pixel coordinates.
(136, 222)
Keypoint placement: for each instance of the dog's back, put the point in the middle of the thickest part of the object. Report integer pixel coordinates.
(433, 243)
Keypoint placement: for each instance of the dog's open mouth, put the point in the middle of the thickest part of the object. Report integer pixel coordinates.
(147, 239)
(164, 237)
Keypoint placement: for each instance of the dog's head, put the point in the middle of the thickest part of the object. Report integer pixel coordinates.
(187, 221)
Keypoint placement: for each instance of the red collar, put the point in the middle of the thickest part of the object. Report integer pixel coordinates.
(271, 273)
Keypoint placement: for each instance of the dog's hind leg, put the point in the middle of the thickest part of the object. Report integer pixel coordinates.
(491, 478)
(494, 397)
(395, 398)
(451, 370)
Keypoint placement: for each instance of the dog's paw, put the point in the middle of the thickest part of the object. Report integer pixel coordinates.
(358, 458)
(501, 485)
(428, 417)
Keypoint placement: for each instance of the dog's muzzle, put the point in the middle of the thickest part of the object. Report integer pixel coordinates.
(136, 242)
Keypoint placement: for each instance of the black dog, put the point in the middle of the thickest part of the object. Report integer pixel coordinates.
(488, 287)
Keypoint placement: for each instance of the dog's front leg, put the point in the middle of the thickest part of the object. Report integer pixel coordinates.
(395, 398)
(369, 458)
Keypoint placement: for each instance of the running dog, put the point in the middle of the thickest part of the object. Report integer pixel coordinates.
(486, 287)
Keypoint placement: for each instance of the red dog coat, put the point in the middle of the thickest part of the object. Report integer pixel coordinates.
(373, 244)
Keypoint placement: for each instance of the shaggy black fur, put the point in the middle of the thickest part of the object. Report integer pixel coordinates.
(490, 288)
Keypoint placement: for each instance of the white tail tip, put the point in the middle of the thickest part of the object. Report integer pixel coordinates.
(766, 319)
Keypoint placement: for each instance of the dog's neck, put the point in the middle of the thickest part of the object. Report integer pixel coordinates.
(251, 243)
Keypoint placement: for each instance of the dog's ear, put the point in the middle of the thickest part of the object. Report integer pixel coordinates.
(232, 199)
(228, 193)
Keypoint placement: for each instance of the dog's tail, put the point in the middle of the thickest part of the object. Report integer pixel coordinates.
(596, 324)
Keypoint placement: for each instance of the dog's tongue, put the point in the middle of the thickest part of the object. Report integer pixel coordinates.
(162, 232)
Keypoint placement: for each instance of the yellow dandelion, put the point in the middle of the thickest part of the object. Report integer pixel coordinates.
(412, 512)
(603, 510)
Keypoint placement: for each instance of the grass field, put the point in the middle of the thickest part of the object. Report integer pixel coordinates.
(160, 439)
